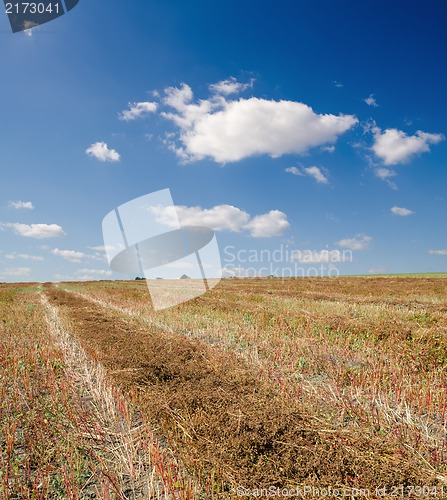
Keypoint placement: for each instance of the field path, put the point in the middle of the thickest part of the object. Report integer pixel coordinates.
(115, 422)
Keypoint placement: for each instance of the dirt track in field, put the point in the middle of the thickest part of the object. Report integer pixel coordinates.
(222, 419)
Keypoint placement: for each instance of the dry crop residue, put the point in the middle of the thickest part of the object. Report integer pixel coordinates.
(222, 419)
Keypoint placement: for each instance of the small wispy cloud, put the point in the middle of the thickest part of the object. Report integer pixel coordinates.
(317, 174)
(371, 101)
(402, 212)
(384, 173)
(437, 252)
(23, 256)
(15, 271)
(314, 172)
(294, 171)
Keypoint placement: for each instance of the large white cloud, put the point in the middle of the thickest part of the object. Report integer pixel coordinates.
(137, 109)
(224, 218)
(101, 152)
(359, 242)
(38, 231)
(231, 130)
(394, 146)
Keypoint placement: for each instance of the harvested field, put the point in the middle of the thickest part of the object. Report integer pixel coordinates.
(276, 383)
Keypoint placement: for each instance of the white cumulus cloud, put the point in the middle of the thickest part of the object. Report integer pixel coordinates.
(394, 146)
(70, 255)
(101, 152)
(231, 130)
(230, 86)
(38, 231)
(219, 218)
(359, 242)
(138, 109)
(403, 212)
(223, 218)
(27, 205)
(273, 223)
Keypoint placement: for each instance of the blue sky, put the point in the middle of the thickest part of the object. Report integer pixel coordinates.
(316, 127)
